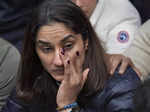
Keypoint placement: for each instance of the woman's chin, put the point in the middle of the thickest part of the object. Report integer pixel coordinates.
(59, 78)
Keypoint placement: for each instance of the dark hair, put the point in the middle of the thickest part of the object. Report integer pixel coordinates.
(33, 80)
(142, 97)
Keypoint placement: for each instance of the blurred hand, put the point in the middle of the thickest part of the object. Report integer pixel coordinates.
(113, 60)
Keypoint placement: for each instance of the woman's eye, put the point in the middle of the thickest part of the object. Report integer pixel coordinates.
(68, 46)
(46, 49)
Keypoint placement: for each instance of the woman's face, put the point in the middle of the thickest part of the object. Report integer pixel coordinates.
(87, 6)
(50, 41)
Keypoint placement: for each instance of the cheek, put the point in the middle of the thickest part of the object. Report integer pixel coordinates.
(46, 60)
(82, 57)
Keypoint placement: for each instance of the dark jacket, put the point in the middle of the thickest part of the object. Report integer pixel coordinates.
(143, 8)
(117, 96)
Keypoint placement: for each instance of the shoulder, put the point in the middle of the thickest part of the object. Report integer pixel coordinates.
(7, 49)
(122, 8)
(9, 60)
(125, 82)
(119, 91)
(144, 29)
(126, 3)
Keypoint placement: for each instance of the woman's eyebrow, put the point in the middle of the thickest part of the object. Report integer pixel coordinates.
(67, 37)
(41, 42)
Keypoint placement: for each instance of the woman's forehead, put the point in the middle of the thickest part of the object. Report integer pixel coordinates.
(54, 30)
(55, 33)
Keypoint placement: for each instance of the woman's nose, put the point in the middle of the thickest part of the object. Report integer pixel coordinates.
(57, 59)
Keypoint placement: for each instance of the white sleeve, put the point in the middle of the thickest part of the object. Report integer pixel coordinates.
(121, 35)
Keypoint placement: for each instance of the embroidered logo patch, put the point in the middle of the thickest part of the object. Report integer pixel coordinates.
(123, 37)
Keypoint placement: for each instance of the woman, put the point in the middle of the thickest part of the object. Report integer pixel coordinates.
(63, 66)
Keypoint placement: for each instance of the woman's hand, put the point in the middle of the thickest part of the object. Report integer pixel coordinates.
(74, 79)
(113, 60)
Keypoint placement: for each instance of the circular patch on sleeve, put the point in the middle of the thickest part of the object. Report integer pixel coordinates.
(123, 37)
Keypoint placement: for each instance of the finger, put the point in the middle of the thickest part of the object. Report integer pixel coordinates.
(125, 63)
(69, 65)
(85, 75)
(123, 66)
(108, 61)
(137, 71)
(131, 63)
(134, 68)
(78, 63)
(115, 62)
(62, 55)
(66, 61)
(76, 67)
(65, 58)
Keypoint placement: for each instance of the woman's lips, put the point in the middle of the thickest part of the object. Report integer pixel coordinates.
(59, 71)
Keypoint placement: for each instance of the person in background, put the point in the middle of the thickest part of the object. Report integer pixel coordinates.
(139, 51)
(9, 63)
(114, 22)
(115, 25)
(63, 67)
